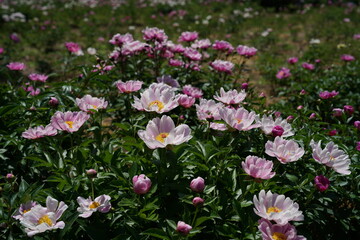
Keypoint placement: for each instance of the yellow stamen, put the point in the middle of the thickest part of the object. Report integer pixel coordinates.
(279, 236)
(25, 211)
(70, 123)
(332, 158)
(94, 205)
(94, 106)
(273, 209)
(161, 137)
(45, 219)
(158, 103)
(238, 120)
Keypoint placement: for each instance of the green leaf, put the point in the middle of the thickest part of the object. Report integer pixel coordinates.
(156, 232)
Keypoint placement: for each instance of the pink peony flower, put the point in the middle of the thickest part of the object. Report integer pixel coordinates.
(349, 109)
(1, 50)
(357, 124)
(230, 97)
(74, 48)
(201, 44)
(167, 79)
(186, 101)
(308, 66)
(192, 91)
(321, 183)
(223, 46)
(88, 206)
(38, 77)
(240, 118)
(258, 167)
(331, 156)
(24, 208)
(208, 110)
(69, 121)
(244, 86)
(192, 54)
(271, 126)
(119, 39)
(141, 183)
(284, 150)
(283, 73)
(332, 132)
(129, 86)
(88, 103)
(218, 126)
(16, 66)
(39, 132)
(162, 132)
(176, 63)
(275, 207)
(198, 201)
(347, 58)
(246, 51)
(292, 60)
(271, 231)
(183, 228)
(175, 48)
(132, 48)
(327, 95)
(159, 97)
(356, 36)
(154, 34)
(188, 36)
(197, 184)
(222, 66)
(337, 112)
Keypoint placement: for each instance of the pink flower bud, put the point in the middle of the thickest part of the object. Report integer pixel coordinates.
(290, 118)
(142, 184)
(358, 146)
(277, 114)
(302, 92)
(300, 107)
(312, 116)
(244, 86)
(198, 201)
(277, 131)
(10, 177)
(321, 183)
(53, 102)
(337, 112)
(186, 101)
(91, 173)
(197, 184)
(183, 228)
(333, 132)
(357, 124)
(349, 109)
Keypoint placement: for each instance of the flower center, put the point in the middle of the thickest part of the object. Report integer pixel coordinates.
(238, 120)
(273, 209)
(70, 123)
(332, 158)
(161, 137)
(45, 219)
(157, 103)
(94, 205)
(94, 106)
(26, 210)
(279, 236)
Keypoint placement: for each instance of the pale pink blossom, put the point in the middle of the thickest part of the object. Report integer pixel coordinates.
(201, 44)
(69, 121)
(16, 66)
(308, 66)
(283, 73)
(24, 208)
(218, 126)
(188, 36)
(331, 156)
(327, 94)
(268, 124)
(162, 132)
(258, 167)
(231, 96)
(275, 207)
(74, 48)
(240, 118)
(223, 46)
(119, 39)
(88, 103)
(208, 110)
(132, 48)
(88, 206)
(222, 66)
(186, 101)
(155, 34)
(292, 60)
(176, 62)
(347, 58)
(192, 54)
(141, 184)
(192, 91)
(129, 86)
(284, 150)
(246, 51)
(271, 231)
(39, 132)
(38, 77)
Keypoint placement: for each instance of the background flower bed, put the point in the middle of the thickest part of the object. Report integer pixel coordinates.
(109, 142)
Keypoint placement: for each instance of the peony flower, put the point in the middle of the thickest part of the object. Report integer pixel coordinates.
(192, 54)
(231, 96)
(337, 112)
(14, 37)
(201, 44)
(154, 34)
(198, 201)
(176, 62)
(88, 206)
(38, 77)
(284, 150)
(119, 39)
(183, 228)
(132, 48)
(197, 184)
(308, 66)
(16, 66)
(327, 95)
(24, 208)
(167, 79)
(74, 48)
(141, 183)
(186, 101)
(69, 121)
(240, 118)
(275, 207)
(283, 73)
(258, 167)
(88, 103)
(246, 51)
(162, 132)
(357, 124)
(192, 91)
(222, 66)
(41, 219)
(223, 46)
(244, 86)
(321, 183)
(275, 127)
(129, 86)
(292, 60)
(349, 109)
(208, 109)
(159, 97)
(332, 132)
(347, 58)
(39, 132)
(188, 36)
(271, 231)
(331, 156)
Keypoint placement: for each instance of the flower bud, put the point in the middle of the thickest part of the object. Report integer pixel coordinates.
(357, 124)
(290, 118)
(183, 228)
(302, 92)
(277, 131)
(337, 112)
(245, 86)
(198, 201)
(312, 116)
(333, 132)
(300, 107)
(277, 114)
(349, 109)
(91, 173)
(53, 102)
(10, 177)
(141, 183)
(197, 184)
(321, 183)
(358, 146)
